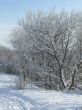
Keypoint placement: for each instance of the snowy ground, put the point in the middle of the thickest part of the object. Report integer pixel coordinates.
(33, 98)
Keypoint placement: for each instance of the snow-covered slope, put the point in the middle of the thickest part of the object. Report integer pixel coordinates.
(33, 98)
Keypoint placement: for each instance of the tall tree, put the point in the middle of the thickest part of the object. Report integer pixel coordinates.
(46, 45)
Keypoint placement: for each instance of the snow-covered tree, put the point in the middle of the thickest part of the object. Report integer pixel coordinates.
(46, 48)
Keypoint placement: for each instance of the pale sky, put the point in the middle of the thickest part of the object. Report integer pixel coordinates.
(11, 10)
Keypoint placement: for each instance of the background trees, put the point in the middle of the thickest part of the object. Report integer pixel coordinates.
(7, 60)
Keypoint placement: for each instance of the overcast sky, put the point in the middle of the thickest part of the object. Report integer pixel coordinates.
(11, 10)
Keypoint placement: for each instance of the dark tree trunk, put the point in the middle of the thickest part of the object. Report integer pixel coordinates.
(61, 79)
(24, 76)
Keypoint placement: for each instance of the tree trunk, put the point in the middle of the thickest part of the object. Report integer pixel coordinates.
(72, 80)
(24, 76)
(61, 79)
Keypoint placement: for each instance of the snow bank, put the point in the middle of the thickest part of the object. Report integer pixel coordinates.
(34, 98)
